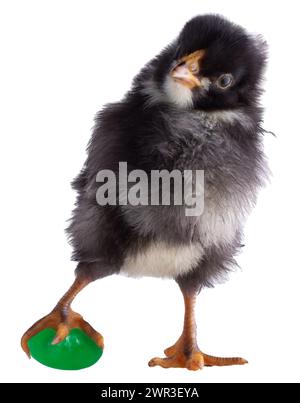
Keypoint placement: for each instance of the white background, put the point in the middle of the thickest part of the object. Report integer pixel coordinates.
(60, 62)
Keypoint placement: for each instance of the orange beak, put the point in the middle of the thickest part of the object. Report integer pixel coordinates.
(187, 68)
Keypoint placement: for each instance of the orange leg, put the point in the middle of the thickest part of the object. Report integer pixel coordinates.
(185, 353)
(63, 319)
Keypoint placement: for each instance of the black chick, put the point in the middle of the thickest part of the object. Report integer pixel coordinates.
(193, 107)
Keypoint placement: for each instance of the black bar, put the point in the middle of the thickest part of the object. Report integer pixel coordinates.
(95, 392)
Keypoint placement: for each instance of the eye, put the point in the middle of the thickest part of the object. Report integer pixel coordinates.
(194, 68)
(224, 81)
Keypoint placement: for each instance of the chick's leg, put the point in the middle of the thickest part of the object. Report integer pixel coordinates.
(185, 353)
(63, 319)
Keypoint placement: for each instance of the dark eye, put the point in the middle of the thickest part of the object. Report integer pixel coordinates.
(224, 81)
(194, 68)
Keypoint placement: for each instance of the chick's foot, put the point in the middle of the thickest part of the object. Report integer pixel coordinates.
(62, 320)
(181, 355)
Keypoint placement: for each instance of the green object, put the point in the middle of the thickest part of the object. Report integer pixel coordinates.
(76, 351)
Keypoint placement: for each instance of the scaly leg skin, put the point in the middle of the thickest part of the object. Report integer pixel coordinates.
(185, 353)
(63, 319)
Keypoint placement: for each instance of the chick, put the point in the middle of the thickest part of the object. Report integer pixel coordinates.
(194, 107)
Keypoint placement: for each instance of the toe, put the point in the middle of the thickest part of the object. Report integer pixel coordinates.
(33, 330)
(154, 362)
(92, 333)
(170, 351)
(210, 361)
(24, 345)
(61, 334)
(171, 362)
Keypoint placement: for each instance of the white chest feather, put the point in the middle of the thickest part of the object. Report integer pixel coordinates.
(161, 260)
(217, 226)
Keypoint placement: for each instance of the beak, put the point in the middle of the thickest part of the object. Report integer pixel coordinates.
(187, 68)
